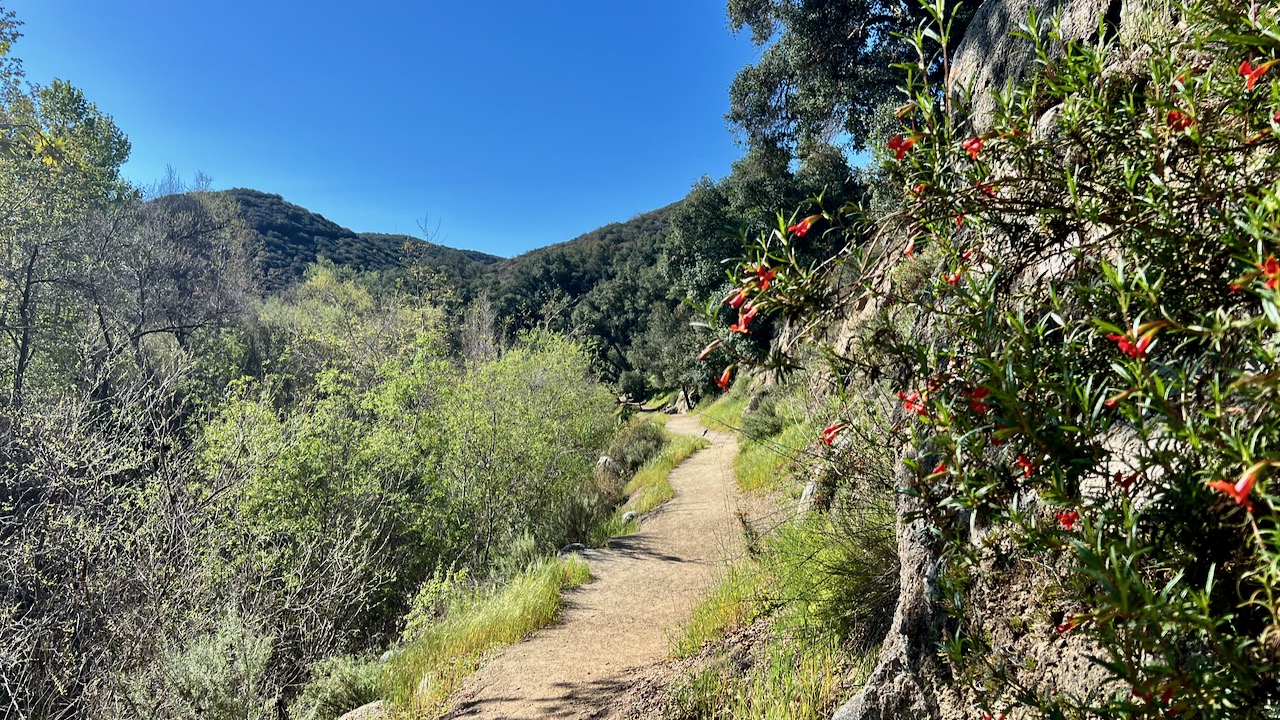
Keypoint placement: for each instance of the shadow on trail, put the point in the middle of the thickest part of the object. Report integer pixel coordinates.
(638, 547)
(571, 701)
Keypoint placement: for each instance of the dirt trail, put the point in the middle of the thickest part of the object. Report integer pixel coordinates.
(646, 584)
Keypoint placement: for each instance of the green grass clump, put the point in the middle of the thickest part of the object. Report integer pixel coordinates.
(792, 679)
(730, 606)
(762, 464)
(772, 436)
(726, 412)
(827, 585)
(422, 674)
(651, 485)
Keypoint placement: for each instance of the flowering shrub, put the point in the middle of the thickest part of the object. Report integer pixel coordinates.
(1090, 374)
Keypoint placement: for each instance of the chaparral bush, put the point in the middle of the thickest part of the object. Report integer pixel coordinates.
(1088, 372)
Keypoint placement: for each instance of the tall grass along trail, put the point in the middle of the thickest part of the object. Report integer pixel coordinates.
(646, 584)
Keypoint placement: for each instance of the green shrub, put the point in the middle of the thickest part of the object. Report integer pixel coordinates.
(338, 685)
(634, 385)
(763, 422)
(222, 674)
(634, 446)
(1090, 384)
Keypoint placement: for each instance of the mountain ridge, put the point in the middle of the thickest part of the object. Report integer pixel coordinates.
(289, 237)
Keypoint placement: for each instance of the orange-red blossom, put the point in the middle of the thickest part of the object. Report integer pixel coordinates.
(1239, 490)
(723, 381)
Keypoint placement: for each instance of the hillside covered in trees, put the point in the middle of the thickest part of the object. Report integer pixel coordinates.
(287, 239)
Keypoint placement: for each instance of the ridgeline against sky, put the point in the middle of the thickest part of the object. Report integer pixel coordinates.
(506, 126)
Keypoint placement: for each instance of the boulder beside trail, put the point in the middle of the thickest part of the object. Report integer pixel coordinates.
(373, 711)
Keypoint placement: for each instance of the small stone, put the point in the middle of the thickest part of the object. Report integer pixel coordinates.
(373, 711)
(572, 549)
(629, 516)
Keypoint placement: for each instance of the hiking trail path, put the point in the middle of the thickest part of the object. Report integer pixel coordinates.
(613, 628)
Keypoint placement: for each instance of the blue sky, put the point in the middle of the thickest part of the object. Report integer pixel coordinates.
(507, 125)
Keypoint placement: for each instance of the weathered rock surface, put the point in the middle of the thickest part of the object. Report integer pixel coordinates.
(990, 58)
(373, 711)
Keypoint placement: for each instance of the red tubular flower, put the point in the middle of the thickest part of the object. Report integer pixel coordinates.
(1067, 624)
(973, 145)
(912, 403)
(1271, 271)
(919, 188)
(765, 276)
(988, 189)
(1239, 491)
(1137, 350)
(900, 145)
(910, 250)
(1251, 73)
(738, 298)
(1179, 121)
(1068, 519)
(831, 432)
(958, 218)
(953, 278)
(723, 381)
(1125, 481)
(706, 351)
(1026, 464)
(801, 228)
(745, 316)
(976, 396)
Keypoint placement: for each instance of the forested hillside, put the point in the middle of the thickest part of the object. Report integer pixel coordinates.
(287, 239)
(608, 285)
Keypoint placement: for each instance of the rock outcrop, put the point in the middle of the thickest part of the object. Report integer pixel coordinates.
(990, 58)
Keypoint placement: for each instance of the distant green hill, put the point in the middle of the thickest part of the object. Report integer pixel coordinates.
(289, 238)
(608, 284)
(576, 266)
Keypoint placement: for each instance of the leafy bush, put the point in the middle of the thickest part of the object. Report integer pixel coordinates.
(633, 447)
(220, 675)
(633, 385)
(763, 422)
(337, 686)
(1090, 379)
